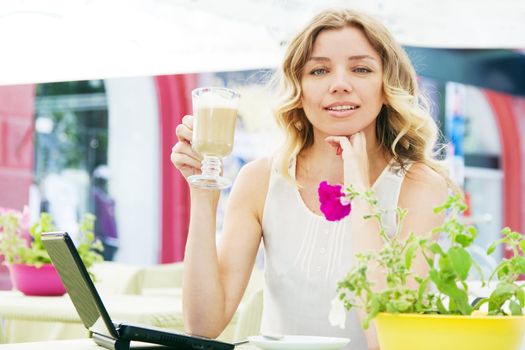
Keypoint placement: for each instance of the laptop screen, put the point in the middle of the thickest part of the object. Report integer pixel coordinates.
(76, 279)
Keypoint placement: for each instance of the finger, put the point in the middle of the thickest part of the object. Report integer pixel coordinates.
(363, 140)
(184, 133)
(358, 141)
(334, 141)
(185, 148)
(188, 121)
(345, 144)
(181, 160)
(189, 171)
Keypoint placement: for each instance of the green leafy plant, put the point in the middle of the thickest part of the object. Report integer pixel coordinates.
(444, 290)
(22, 245)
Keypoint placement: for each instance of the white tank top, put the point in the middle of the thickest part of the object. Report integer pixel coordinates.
(305, 257)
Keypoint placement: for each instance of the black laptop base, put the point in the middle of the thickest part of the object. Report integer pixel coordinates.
(110, 343)
(119, 344)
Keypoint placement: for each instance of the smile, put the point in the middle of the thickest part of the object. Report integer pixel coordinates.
(342, 108)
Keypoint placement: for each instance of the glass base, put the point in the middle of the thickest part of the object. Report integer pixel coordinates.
(210, 182)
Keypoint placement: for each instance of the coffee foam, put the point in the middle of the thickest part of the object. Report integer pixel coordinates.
(214, 100)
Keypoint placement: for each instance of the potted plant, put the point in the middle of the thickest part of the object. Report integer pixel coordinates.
(23, 251)
(437, 313)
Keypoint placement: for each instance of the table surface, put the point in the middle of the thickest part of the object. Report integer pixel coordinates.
(84, 344)
(156, 310)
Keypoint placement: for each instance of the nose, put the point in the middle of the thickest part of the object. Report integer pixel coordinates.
(341, 83)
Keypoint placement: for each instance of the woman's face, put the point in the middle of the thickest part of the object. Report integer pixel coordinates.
(342, 84)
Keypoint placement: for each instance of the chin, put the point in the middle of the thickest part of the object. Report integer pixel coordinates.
(342, 132)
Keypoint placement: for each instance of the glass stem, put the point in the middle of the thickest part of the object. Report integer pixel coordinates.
(211, 165)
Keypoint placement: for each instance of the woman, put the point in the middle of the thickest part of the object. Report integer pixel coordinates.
(352, 115)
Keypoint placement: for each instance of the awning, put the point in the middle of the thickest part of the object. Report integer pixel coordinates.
(59, 40)
(499, 70)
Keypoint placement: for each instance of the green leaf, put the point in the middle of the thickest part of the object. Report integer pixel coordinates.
(515, 308)
(464, 240)
(492, 248)
(519, 263)
(503, 269)
(522, 245)
(436, 249)
(515, 236)
(446, 284)
(520, 295)
(503, 289)
(422, 288)
(403, 305)
(461, 261)
(409, 255)
(473, 232)
(373, 311)
(503, 292)
(445, 265)
(506, 231)
(441, 308)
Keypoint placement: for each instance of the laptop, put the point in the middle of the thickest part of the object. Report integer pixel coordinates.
(106, 332)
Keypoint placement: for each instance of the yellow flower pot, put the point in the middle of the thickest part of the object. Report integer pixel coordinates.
(447, 332)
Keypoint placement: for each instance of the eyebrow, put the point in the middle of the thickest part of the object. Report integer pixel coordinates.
(351, 58)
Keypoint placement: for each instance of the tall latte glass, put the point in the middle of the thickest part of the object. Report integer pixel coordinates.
(215, 111)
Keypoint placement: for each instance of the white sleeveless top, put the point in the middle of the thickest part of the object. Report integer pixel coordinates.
(305, 257)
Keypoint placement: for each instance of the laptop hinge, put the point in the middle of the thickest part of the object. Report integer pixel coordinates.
(109, 342)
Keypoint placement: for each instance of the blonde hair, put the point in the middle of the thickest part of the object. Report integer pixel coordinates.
(405, 128)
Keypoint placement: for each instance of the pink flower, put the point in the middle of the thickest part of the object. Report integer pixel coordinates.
(332, 199)
(21, 223)
(25, 223)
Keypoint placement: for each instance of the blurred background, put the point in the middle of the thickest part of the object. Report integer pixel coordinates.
(91, 93)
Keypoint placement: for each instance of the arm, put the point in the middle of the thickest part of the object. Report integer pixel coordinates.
(215, 277)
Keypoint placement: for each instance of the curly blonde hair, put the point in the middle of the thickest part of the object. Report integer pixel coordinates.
(405, 128)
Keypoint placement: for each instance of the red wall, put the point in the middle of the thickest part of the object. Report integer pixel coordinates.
(16, 144)
(16, 151)
(509, 113)
(174, 101)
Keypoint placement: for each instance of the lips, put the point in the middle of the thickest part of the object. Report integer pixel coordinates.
(341, 109)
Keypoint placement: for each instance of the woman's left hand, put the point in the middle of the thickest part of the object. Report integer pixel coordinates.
(355, 159)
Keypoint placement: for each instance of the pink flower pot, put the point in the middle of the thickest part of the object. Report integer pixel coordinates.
(42, 281)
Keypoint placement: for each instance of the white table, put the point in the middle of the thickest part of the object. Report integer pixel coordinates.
(81, 344)
(43, 318)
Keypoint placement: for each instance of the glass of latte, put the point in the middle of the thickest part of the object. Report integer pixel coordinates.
(215, 111)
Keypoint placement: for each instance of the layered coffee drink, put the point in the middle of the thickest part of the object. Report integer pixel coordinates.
(213, 130)
(215, 110)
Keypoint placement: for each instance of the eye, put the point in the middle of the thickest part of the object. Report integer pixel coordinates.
(362, 70)
(318, 71)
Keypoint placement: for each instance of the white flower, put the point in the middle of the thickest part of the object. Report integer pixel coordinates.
(337, 315)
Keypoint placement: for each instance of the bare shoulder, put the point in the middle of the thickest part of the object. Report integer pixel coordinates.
(259, 165)
(422, 190)
(423, 185)
(251, 184)
(256, 173)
